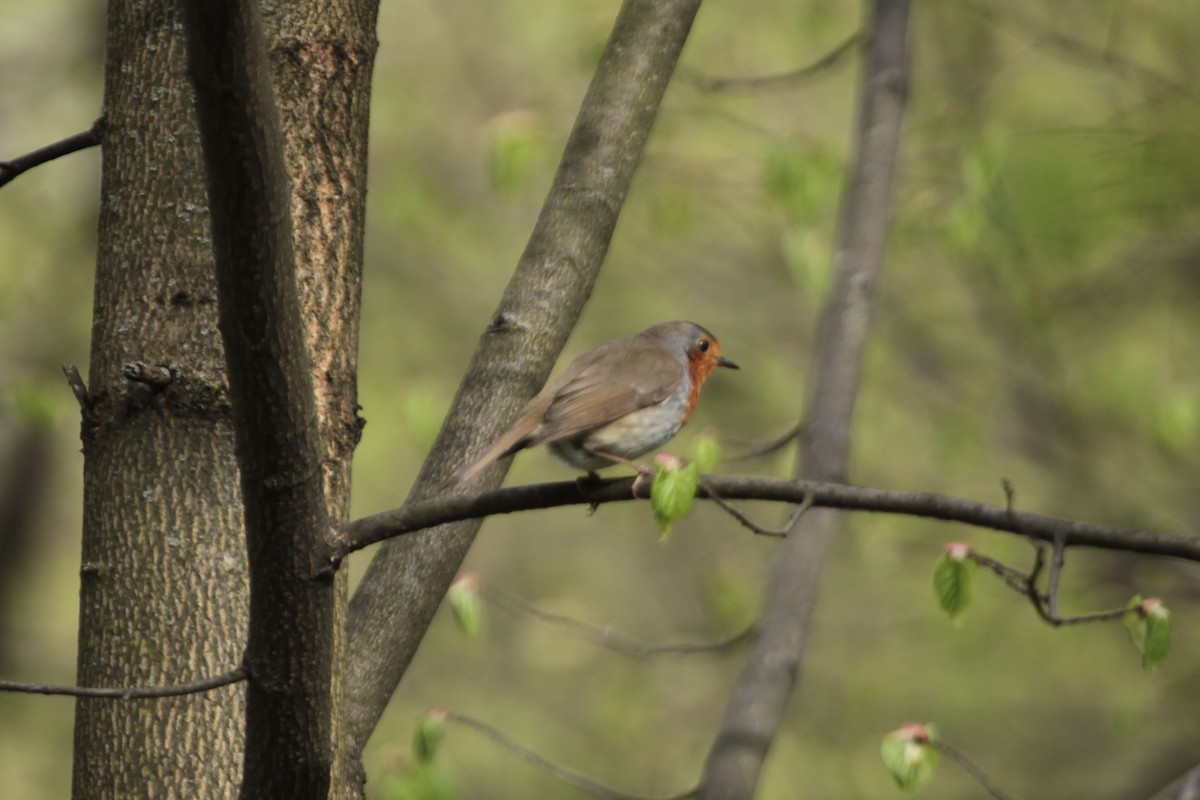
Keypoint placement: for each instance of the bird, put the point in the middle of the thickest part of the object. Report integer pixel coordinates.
(615, 402)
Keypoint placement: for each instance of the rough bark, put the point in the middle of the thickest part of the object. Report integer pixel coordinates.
(554, 277)
(760, 699)
(289, 650)
(163, 595)
(322, 57)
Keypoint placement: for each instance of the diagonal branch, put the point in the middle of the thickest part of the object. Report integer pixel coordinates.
(406, 581)
(72, 144)
(130, 693)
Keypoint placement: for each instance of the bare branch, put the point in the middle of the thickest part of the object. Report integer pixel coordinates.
(606, 637)
(421, 514)
(1026, 584)
(72, 144)
(564, 774)
(130, 693)
(781, 80)
(793, 518)
(961, 758)
(78, 388)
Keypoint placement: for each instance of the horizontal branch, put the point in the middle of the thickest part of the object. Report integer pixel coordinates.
(72, 144)
(131, 692)
(422, 514)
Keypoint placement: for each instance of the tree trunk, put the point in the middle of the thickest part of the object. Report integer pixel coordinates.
(322, 57)
(164, 596)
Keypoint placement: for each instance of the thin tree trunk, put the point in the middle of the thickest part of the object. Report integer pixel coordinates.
(760, 699)
(289, 649)
(163, 595)
(322, 57)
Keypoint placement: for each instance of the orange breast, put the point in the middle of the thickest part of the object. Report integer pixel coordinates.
(699, 368)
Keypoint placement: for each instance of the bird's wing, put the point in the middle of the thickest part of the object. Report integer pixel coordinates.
(586, 396)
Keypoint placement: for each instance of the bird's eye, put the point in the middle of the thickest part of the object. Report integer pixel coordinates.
(702, 345)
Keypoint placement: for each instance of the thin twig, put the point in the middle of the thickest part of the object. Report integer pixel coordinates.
(72, 144)
(782, 79)
(797, 512)
(757, 449)
(605, 637)
(1056, 565)
(78, 388)
(1013, 578)
(564, 774)
(961, 758)
(131, 692)
(1077, 48)
(1046, 605)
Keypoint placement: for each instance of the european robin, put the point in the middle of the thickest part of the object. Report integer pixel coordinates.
(616, 401)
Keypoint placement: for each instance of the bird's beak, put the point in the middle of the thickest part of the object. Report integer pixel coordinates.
(722, 361)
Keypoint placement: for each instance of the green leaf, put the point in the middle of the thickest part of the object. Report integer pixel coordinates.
(1158, 636)
(673, 491)
(1149, 624)
(428, 735)
(954, 579)
(422, 781)
(706, 452)
(909, 757)
(466, 604)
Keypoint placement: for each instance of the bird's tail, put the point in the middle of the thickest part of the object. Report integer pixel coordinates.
(512, 441)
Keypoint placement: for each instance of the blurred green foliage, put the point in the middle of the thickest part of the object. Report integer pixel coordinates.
(1038, 320)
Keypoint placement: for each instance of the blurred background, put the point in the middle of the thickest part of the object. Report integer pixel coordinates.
(1037, 321)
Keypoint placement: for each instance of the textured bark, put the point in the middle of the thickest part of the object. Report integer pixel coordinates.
(322, 56)
(760, 699)
(554, 277)
(289, 650)
(164, 596)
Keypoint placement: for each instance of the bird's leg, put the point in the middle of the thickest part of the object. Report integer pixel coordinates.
(644, 473)
(642, 469)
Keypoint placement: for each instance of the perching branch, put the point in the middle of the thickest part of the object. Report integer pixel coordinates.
(72, 144)
(564, 774)
(421, 514)
(130, 693)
